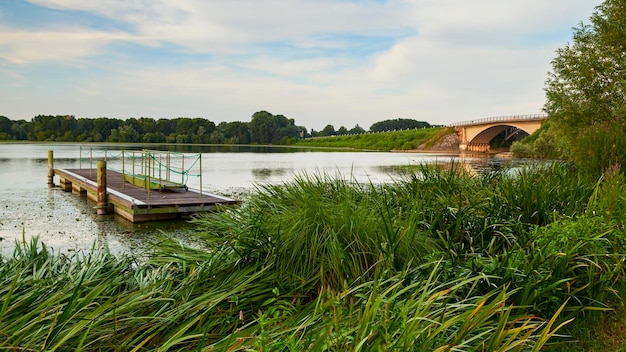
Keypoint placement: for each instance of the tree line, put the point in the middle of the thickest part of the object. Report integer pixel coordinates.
(263, 128)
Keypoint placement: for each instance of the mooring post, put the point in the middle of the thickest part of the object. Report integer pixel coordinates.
(50, 169)
(102, 204)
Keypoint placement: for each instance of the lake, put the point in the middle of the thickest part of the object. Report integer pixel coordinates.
(67, 222)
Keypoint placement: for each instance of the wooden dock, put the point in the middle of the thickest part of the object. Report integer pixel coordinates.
(138, 204)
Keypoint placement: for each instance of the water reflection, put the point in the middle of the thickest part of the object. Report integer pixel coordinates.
(265, 173)
(65, 221)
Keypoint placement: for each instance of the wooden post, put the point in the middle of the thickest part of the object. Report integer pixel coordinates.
(102, 204)
(90, 161)
(50, 169)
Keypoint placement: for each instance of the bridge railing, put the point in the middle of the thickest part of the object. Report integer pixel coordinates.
(500, 119)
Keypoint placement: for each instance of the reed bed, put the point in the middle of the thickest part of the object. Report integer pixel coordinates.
(438, 261)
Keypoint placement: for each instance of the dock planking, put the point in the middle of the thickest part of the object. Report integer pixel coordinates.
(138, 204)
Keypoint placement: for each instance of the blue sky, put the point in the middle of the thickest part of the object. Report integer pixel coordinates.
(319, 62)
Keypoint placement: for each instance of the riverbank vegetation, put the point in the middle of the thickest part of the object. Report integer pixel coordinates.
(586, 96)
(264, 128)
(382, 141)
(440, 260)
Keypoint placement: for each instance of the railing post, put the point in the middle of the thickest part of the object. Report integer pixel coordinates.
(167, 167)
(134, 169)
(160, 165)
(147, 181)
(123, 171)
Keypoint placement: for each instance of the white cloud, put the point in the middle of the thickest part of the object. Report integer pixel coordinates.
(445, 61)
(23, 47)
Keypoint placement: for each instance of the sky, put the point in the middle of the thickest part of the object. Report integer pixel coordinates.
(319, 62)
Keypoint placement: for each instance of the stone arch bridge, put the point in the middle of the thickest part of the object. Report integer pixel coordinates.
(476, 135)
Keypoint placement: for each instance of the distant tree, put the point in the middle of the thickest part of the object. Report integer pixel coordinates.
(235, 132)
(342, 131)
(329, 130)
(20, 130)
(398, 124)
(357, 130)
(166, 126)
(216, 137)
(5, 128)
(263, 127)
(128, 134)
(266, 128)
(102, 127)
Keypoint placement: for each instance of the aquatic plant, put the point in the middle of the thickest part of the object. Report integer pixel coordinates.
(440, 260)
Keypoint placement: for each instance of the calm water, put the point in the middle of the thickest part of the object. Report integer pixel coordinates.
(65, 221)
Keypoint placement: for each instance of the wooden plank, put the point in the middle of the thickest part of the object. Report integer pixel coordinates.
(139, 204)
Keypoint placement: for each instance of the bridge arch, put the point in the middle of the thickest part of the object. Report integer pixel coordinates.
(477, 135)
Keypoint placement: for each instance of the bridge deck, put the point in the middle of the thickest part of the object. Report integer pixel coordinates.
(497, 119)
(140, 204)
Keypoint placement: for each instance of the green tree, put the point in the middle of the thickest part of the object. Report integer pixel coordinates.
(263, 127)
(329, 130)
(166, 126)
(21, 129)
(102, 127)
(5, 128)
(235, 132)
(357, 130)
(398, 124)
(586, 90)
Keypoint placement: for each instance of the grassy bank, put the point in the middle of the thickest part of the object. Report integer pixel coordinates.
(438, 261)
(383, 141)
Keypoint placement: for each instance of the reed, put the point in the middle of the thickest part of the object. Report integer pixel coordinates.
(440, 260)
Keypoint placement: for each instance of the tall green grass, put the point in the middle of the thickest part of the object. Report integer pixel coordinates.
(384, 141)
(440, 261)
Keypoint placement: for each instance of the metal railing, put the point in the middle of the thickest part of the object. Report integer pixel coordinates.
(147, 166)
(493, 119)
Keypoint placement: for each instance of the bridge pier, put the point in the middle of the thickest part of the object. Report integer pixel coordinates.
(483, 148)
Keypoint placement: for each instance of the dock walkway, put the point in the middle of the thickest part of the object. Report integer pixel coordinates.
(138, 204)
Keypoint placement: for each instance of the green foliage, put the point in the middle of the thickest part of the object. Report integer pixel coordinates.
(587, 82)
(324, 231)
(440, 260)
(601, 148)
(398, 125)
(385, 141)
(264, 128)
(586, 94)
